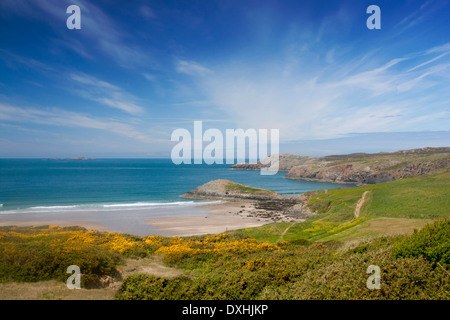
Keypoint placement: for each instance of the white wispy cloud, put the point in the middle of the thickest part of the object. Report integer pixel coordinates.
(106, 93)
(429, 61)
(63, 118)
(378, 96)
(103, 34)
(442, 48)
(419, 16)
(192, 68)
(149, 77)
(89, 80)
(377, 81)
(15, 61)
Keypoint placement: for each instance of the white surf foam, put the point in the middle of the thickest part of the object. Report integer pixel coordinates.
(106, 207)
(148, 204)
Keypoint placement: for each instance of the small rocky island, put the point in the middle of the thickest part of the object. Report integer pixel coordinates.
(267, 204)
(74, 158)
(222, 189)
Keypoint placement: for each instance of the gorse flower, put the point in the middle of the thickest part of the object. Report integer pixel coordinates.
(65, 240)
(218, 244)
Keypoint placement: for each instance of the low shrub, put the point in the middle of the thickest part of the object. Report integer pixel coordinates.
(149, 287)
(316, 271)
(35, 254)
(432, 243)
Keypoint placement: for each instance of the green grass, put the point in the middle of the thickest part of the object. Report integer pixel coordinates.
(246, 189)
(269, 232)
(336, 205)
(417, 199)
(310, 230)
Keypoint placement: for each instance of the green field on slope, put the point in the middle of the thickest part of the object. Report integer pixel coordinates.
(396, 207)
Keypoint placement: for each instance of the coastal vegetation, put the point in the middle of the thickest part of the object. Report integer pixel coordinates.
(304, 271)
(234, 266)
(390, 208)
(401, 226)
(240, 188)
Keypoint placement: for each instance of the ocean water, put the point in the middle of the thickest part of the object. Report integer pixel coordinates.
(120, 195)
(42, 185)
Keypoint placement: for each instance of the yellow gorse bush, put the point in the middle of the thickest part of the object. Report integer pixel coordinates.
(346, 225)
(217, 244)
(72, 240)
(62, 240)
(319, 227)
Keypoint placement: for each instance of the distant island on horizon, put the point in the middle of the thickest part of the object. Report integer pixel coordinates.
(74, 158)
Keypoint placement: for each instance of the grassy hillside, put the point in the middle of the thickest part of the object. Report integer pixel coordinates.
(395, 207)
(412, 268)
(416, 197)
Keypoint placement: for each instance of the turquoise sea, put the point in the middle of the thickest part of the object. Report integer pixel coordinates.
(118, 193)
(41, 184)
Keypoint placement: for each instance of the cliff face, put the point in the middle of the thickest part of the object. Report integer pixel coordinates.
(362, 168)
(342, 173)
(368, 173)
(286, 162)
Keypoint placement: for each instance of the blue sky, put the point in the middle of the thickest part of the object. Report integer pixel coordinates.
(137, 70)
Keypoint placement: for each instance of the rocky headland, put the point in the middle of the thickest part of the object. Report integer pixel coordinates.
(361, 168)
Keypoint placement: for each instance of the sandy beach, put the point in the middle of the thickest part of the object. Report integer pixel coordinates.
(200, 219)
(220, 217)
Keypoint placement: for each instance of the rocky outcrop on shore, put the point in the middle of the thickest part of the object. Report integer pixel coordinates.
(226, 189)
(268, 202)
(361, 168)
